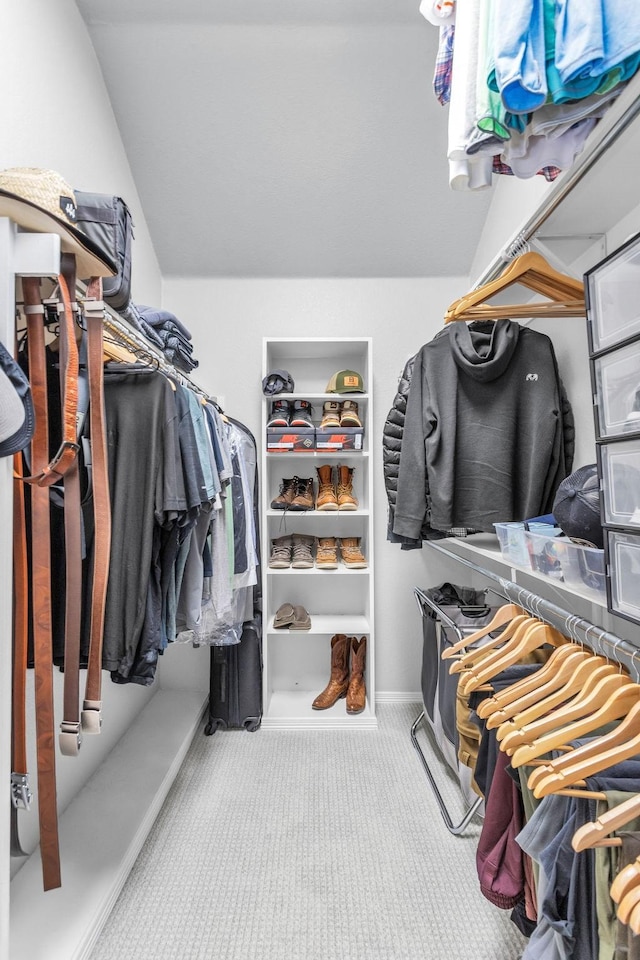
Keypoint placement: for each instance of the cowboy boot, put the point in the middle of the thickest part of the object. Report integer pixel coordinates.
(346, 499)
(339, 679)
(326, 499)
(356, 691)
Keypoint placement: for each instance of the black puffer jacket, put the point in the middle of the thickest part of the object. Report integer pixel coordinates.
(391, 445)
(392, 435)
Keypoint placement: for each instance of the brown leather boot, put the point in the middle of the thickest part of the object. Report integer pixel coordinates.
(339, 679)
(326, 499)
(346, 499)
(303, 500)
(288, 490)
(356, 691)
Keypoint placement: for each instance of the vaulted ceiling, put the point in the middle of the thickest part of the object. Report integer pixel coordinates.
(294, 138)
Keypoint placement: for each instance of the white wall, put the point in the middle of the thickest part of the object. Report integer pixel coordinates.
(55, 113)
(229, 318)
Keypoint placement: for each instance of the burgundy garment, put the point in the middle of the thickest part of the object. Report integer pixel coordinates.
(499, 859)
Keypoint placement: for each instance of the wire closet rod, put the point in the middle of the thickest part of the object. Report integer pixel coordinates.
(576, 628)
(128, 336)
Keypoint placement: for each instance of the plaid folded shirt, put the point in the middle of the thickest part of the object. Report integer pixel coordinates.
(444, 64)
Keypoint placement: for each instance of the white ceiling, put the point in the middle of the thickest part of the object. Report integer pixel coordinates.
(286, 137)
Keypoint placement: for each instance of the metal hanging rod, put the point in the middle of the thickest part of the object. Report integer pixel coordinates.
(576, 628)
(129, 337)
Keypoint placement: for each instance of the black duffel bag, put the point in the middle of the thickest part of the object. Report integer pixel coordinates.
(107, 221)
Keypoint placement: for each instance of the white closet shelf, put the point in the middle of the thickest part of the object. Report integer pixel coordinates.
(301, 395)
(323, 454)
(326, 625)
(340, 571)
(483, 549)
(292, 710)
(325, 515)
(102, 832)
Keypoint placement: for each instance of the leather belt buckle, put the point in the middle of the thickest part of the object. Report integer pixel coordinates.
(21, 795)
(69, 738)
(92, 716)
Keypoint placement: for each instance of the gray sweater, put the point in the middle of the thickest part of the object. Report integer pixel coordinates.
(488, 431)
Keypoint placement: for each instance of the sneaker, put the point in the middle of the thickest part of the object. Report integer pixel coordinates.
(280, 414)
(330, 414)
(288, 490)
(351, 554)
(301, 414)
(349, 414)
(302, 551)
(281, 549)
(303, 499)
(327, 553)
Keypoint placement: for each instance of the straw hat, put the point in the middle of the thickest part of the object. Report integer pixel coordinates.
(40, 200)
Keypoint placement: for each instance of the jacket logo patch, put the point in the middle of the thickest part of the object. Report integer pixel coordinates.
(531, 376)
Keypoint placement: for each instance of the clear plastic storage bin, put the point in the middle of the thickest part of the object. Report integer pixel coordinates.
(618, 391)
(540, 541)
(582, 567)
(614, 307)
(513, 545)
(621, 483)
(624, 562)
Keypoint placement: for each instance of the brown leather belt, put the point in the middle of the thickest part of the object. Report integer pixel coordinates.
(94, 317)
(70, 736)
(41, 588)
(20, 791)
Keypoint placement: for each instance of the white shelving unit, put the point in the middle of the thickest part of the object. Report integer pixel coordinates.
(297, 663)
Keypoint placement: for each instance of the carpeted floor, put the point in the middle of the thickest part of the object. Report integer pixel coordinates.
(307, 846)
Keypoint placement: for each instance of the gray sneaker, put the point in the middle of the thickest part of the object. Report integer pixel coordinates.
(281, 550)
(302, 551)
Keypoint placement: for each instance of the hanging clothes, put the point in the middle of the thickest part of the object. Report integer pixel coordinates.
(488, 430)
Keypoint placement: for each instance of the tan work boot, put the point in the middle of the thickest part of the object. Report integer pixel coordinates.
(288, 489)
(280, 558)
(339, 679)
(326, 553)
(302, 551)
(326, 499)
(356, 691)
(351, 554)
(303, 499)
(346, 499)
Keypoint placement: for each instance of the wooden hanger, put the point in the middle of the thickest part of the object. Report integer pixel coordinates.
(593, 833)
(528, 637)
(602, 681)
(478, 654)
(605, 751)
(618, 704)
(503, 615)
(626, 880)
(550, 713)
(555, 673)
(565, 295)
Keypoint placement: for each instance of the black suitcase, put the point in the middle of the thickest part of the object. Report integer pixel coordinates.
(235, 687)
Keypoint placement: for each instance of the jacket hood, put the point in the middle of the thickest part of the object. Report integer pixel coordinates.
(483, 349)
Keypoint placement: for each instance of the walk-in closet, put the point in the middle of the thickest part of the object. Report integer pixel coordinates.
(320, 480)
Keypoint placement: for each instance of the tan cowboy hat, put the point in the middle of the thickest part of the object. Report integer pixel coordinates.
(40, 200)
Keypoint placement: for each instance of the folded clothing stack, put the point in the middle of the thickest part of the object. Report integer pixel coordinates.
(167, 332)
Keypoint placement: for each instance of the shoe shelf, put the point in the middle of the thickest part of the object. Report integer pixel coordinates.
(297, 663)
